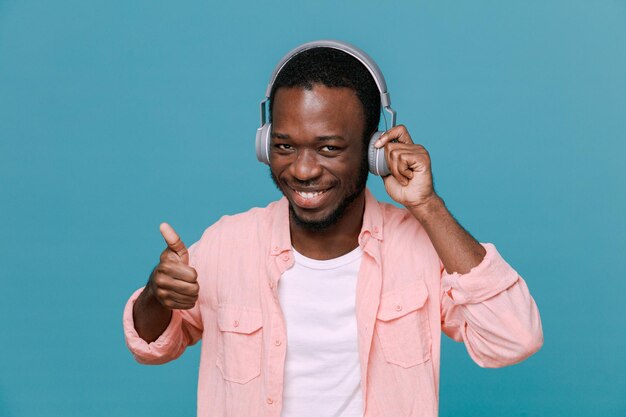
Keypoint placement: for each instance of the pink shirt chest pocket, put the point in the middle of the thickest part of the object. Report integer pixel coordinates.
(403, 327)
(239, 343)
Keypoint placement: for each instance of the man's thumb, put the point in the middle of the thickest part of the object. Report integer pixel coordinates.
(173, 241)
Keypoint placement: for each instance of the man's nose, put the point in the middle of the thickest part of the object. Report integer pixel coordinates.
(306, 166)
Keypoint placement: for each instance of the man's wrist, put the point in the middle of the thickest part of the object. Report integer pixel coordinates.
(148, 298)
(431, 207)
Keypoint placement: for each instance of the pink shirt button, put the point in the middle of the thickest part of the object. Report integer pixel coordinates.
(398, 307)
(269, 401)
(236, 323)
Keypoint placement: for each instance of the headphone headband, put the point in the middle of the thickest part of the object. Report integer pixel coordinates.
(352, 50)
(365, 59)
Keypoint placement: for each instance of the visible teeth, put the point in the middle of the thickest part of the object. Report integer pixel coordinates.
(309, 195)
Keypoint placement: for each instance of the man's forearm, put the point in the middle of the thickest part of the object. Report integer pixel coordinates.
(456, 248)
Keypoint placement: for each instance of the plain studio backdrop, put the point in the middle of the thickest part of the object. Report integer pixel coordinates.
(117, 115)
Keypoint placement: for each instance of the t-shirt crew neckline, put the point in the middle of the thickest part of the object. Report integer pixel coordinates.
(328, 264)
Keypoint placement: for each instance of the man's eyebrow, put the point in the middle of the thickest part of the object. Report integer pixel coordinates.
(324, 138)
(280, 135)
(330, 137)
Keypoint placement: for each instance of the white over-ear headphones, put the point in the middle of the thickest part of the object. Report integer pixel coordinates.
(376, 157)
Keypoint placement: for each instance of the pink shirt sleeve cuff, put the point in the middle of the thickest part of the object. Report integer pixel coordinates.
(166, 345)
(487, 279)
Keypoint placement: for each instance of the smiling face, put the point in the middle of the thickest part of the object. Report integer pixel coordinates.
(317, 155)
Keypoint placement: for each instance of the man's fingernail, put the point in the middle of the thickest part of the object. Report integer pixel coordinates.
(377, 144)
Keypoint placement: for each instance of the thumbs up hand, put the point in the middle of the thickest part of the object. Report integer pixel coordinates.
(174, 283)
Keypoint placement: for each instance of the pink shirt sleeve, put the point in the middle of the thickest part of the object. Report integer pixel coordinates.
(179, 334)
(491, 310)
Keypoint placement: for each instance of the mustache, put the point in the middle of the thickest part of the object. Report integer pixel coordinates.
(305, 184)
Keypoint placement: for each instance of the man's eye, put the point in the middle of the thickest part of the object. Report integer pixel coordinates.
(330, 148)
(283, 146)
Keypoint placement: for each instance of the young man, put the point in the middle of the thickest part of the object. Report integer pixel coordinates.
(327, 302)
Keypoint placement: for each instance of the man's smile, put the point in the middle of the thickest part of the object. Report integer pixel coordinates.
(310, 198)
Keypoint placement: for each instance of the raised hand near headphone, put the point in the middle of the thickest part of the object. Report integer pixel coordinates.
(411, 180)
(411, 184)
(174, 283)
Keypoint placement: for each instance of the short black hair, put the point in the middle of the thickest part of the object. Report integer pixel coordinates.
(332, 68)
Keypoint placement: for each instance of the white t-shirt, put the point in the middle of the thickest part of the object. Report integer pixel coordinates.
(322, 373)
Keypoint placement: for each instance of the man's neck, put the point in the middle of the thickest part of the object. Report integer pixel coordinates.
(338, 239)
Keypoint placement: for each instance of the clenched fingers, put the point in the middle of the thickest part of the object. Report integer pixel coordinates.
(172, 284)
(178, 271)
(175, 293)
(405, 160)
(173, 300)
(175, 285)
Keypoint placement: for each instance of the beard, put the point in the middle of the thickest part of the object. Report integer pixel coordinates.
(355, 190)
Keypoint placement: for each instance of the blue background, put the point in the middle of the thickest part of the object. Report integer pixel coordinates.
(117, 115)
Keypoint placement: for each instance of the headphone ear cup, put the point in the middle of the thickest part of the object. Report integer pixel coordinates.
(376, 157)
(263, 143)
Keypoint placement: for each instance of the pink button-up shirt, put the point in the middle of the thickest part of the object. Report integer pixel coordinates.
(404, 299)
